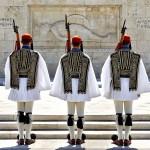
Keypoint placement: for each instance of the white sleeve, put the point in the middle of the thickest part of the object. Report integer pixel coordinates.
(43, 79)
(143, 81)
(106, 79)
(57, 89)
(7, 74)
(92, 84)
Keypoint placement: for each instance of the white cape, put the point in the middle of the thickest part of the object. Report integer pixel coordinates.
(22, 94)
(58, 86)
(124, 94)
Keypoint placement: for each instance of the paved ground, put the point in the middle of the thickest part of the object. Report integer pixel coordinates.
(63, 145)
(50, 105)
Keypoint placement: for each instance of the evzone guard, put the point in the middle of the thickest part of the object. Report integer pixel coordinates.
(26, 74)
(123, 79)
(75, 82)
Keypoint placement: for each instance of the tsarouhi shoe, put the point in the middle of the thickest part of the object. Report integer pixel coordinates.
(127, 142)
(29, 141)
(72, 141)
(79, 142)
(118, 142)
(20, 141)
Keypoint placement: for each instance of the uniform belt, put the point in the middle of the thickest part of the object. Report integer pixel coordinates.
(124, 76)
(23, 76)
(74, 76)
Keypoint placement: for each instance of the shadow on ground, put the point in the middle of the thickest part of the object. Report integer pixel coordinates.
(20, 147)
(70, 147)
(121, 148)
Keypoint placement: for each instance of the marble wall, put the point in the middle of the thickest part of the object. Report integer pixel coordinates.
(98, 22)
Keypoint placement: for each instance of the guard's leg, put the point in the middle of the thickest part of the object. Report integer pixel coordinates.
(80, 122)
(20, 122)
(119, 118)
(28, 122)
(70, 121)
(119, 121)
(128, 121)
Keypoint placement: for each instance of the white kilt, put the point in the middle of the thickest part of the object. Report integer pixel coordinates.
(124, 94)
(58, 87)
(22, 94)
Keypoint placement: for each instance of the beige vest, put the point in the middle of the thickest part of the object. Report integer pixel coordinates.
(125, 64)
(75, 65)
(23, 64)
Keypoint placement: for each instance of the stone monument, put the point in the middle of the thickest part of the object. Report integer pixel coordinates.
(98, 22)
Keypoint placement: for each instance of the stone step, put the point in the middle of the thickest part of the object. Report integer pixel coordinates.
(61, 125)
(105, 134)
(138, 117)
(61, 144)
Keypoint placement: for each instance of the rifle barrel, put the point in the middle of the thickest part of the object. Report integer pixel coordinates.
(124, 23)
(14, 24)
(66, 21)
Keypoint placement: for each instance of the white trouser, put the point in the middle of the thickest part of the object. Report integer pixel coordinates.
(127, 107)
(27, 108)
(79, 106)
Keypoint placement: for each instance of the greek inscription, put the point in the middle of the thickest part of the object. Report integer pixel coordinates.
(6, 22)
(147, 2)
(143, 23)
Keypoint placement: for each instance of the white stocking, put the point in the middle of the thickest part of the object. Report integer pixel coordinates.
(28, 127)
(128, 110)
(80, 112)
(71, 131)
(20, 125)
(119, 109)
(71, 111)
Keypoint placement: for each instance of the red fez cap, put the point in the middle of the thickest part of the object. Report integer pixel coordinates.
(76, 39)
(26, 37)
(119, 46)
(126, 39)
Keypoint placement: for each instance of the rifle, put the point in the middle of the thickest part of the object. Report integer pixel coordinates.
(123, 29)
(32, 45)
(17, 44)
(68, 42)
(81, 46)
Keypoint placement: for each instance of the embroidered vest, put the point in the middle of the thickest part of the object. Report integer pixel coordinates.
(23, 63)
(75, 65)
(125, 64)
